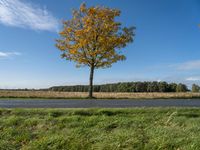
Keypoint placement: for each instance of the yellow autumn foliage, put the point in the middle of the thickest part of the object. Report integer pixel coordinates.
(93, 37)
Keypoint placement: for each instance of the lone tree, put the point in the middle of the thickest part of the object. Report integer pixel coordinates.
(94, 38)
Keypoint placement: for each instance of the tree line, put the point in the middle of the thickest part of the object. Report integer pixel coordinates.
(129, 87)
(195, 88)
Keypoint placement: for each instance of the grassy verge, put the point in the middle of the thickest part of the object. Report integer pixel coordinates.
(149, 128)
(83, 95)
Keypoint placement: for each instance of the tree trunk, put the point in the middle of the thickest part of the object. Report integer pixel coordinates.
(91, 82)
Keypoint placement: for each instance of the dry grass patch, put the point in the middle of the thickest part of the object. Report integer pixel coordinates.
(52, 94)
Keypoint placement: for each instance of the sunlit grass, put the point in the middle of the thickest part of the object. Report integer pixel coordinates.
(142, 128)
(109, 95)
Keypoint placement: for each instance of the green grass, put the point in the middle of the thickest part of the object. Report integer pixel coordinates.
(139, 128)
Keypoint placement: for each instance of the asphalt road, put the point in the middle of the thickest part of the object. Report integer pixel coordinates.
(34, 103)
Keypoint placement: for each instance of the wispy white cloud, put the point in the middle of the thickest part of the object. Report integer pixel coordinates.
(9, 54)
(193, 78)
(190, 65)
(20, 13)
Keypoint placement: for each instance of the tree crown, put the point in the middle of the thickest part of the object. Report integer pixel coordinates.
(93, 37)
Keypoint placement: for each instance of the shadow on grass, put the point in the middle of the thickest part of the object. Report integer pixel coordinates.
(191, 115)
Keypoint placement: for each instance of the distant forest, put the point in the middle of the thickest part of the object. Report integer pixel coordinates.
(129, 87)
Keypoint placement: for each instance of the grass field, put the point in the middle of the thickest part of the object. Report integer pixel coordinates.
(68, 95)
(141, 128)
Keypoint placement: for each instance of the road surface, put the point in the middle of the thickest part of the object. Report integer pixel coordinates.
(58, 103)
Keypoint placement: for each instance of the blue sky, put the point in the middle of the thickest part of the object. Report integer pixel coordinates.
(166, 46)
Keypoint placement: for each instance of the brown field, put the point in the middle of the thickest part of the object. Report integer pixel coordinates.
(51, 94)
